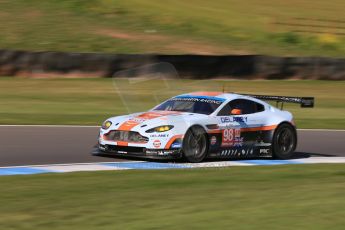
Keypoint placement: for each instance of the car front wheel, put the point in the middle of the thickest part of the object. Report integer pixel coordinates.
(195, 144)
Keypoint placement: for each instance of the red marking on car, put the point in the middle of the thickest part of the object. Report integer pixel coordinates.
(253, 129)
(134, 121)
(156, 143)
(128, 125)
(154, 114)
(214, 131)
(231, 137)
(261, 128)
(122, 143)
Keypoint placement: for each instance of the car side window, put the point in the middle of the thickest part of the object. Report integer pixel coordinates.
(225, 111)
(246, 106)
(259, 107)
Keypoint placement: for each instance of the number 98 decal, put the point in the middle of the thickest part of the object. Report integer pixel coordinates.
(232, 137)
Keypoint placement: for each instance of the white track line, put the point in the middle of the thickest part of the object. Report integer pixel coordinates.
(68, 164)
(197, 165)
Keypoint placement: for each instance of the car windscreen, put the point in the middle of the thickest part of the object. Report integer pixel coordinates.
(190, 104)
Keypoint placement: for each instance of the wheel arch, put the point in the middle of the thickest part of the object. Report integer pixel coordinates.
(287, 123)
(196, 125)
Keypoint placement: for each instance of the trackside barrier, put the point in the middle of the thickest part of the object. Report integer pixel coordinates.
(48, 64)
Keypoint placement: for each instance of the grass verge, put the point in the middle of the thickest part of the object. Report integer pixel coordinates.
(266, 197)
(90, 101)
(310, 27)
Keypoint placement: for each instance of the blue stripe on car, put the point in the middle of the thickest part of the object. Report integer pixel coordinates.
(202, 97)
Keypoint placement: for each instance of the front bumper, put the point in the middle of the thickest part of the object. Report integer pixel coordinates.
(142, 152)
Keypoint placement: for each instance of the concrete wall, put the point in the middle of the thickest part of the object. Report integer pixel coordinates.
(47, 64)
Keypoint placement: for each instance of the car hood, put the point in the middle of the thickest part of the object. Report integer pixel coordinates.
(151, 119)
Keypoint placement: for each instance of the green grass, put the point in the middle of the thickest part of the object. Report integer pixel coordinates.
(266, 197)
(175, 26)
(90, 101)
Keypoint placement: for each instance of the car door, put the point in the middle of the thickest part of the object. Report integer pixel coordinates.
(240, 121)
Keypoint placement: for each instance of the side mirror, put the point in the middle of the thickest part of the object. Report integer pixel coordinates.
(236, 112)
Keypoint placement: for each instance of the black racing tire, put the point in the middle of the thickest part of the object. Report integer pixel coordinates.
(195, 144)
(284, 142)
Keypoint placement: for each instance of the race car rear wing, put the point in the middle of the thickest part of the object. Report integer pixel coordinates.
(305, 102)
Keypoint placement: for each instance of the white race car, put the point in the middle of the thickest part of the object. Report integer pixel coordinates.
(203, 125)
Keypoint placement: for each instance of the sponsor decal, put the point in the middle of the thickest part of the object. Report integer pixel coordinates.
(264, 151)
(232, 137)
(176, 145)
(233, 119)
(159, 135)
(237, 152)
(263, 144)
(206, 99)
(160, 152)
(156, 143)
(249, 152)
(136, 120)
(213, 140)
(229, 152)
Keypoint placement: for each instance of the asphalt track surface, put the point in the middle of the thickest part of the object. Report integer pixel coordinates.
(36, 145)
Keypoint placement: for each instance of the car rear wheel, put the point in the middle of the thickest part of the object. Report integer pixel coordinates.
(284, 141)
(195, 144)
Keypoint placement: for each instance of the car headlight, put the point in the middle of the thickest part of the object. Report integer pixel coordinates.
(160, 129)
(106, 124)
